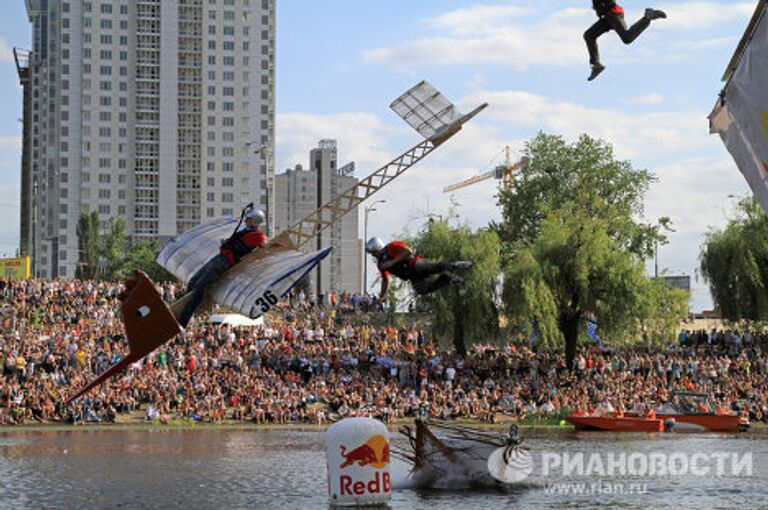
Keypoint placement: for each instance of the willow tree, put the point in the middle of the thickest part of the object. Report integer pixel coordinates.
(466, 313)
(734, 262)
(88, 246)
(573, 246)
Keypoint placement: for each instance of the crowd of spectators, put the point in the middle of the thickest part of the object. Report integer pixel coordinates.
(315, 361)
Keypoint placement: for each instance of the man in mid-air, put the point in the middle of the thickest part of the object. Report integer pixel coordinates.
(611, 17)
(241, 243)
(398, 259)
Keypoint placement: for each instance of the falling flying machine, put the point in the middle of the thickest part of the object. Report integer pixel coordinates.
(257, 282)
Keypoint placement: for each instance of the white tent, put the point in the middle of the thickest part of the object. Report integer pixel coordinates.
(235, 319)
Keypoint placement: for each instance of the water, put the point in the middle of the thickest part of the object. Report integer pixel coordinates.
(219, 468)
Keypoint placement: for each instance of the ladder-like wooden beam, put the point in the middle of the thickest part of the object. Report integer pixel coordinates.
(314, 223)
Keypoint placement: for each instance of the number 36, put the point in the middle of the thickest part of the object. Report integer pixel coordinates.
(266, 301)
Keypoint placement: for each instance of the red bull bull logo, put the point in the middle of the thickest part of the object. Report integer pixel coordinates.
(373, 453)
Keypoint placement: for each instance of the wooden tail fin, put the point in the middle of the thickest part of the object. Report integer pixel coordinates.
(148, 325)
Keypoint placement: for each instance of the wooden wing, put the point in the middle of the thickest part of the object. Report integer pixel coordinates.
(183, 255)
(255, 285)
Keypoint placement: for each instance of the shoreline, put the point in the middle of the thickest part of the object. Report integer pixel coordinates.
(136, 422)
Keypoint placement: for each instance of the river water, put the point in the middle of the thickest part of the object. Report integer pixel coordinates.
(285, 469)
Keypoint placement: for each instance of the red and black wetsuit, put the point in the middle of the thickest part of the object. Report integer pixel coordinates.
(415, 269)
(232, 250)
(242, 243)
(603, 7)
(403, 270)
(611, 17)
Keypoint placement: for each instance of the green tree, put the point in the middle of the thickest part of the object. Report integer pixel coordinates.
(88, 246)
(659, 312)
(734, 262)
(573, 247)
(112, 247)
(468, 311)
(110, 256)
(142, 256)
(585, 171)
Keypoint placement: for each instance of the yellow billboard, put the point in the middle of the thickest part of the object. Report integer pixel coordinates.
(16, 268)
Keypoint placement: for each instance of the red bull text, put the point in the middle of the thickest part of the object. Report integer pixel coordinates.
(373, 453)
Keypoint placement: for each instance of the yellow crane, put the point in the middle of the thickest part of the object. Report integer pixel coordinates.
(503, 173)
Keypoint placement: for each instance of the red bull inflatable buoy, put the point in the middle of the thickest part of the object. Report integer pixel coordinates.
(357, 455)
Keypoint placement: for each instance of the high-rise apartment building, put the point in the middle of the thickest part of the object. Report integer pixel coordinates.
(159, 112)
(300, 192)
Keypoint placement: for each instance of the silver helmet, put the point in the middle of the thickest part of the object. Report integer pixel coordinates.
(257, 215)
(374, 245)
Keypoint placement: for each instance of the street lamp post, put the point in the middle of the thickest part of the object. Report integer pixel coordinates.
(367, 211)
(264, 153)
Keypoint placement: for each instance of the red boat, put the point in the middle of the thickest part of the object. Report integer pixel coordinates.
(616, 423)
(689, 411)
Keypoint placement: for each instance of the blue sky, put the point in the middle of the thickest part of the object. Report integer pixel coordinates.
(340, 63)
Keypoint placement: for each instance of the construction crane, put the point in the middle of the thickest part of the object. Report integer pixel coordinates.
(503, 173)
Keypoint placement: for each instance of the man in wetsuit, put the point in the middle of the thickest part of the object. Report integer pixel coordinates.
(241, 243)
(397, 258)
(611, 17)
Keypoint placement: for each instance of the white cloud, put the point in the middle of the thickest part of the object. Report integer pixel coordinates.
(633, 135)
(476, 19)
(484, 34)
(10, 142)
(6, 52)
(698, 15)
(651, 99)
(521, 38)
(360, 138)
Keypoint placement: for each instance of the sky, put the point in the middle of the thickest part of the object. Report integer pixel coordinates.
(340, 63)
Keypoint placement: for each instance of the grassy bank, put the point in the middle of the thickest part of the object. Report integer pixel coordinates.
(136, 421)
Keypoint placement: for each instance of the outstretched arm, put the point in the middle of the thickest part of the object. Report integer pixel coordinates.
(384, 285)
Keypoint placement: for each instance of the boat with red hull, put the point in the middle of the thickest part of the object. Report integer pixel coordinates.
(685, 411)
(616, 423)
(690, 411)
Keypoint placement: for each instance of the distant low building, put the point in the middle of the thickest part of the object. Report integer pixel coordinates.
(298, 192)
(678, 282)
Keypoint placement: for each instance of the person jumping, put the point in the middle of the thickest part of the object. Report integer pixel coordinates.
(611, 17)
(398, 259)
